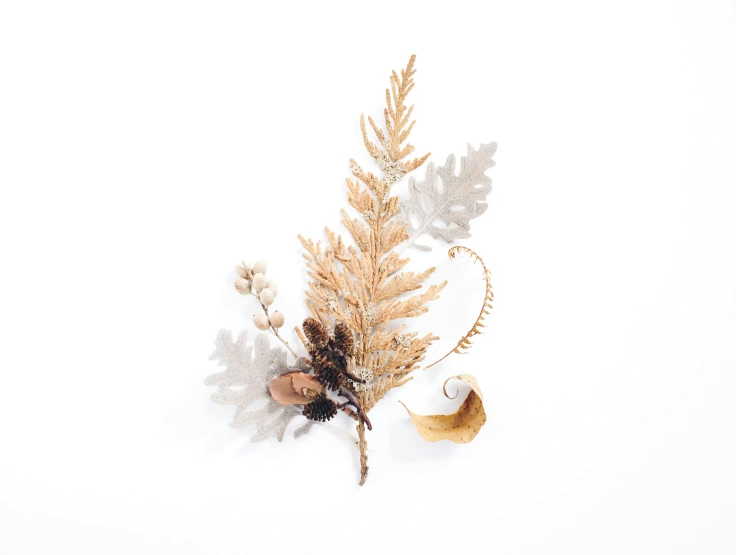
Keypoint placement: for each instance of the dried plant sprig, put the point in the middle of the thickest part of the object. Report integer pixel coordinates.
(396, 116)
(362, 285)
(252, 281)
(357, 291)
(464, 344)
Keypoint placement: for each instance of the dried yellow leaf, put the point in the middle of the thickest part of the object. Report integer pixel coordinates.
(461, 426)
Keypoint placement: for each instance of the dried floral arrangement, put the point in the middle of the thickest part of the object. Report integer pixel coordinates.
(355, 351)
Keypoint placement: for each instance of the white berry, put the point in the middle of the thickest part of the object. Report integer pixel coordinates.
(261, 321)
(276, 319)
(242, 285)
(273, 287)
(259, 267)
(266, 297)
(243, 271)
(259, 282)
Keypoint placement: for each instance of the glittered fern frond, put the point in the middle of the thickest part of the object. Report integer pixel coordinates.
(396, 116)
(360, 285)
(464, 344)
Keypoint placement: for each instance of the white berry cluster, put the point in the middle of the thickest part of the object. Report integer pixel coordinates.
(252, 280)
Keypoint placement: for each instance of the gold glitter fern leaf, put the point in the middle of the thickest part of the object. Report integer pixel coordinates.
(363, 285)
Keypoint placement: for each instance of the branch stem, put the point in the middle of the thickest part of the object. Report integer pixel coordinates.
(273, 330)
(363, 446)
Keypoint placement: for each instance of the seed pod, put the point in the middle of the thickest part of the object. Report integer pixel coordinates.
(295, 388)
(320, 361)
(259, 282)
(276, 318)
(261, 321)
(273, 287)
(315, 332)
(242, 286)
(259, 267)
(266, 297)
(330, 377)
(343, 338)
(321, 409)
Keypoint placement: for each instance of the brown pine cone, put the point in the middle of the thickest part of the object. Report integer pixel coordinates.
(315, 332)
(330, 377)
(321, 409)
(320, 361)
(343, 338)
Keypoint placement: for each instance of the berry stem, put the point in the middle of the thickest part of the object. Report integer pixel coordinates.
(274, 330)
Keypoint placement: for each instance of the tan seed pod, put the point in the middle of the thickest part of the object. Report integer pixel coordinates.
(259, 282)
(315, 332)
(321, 409)
(242, 285)
(261, 321)
(344, 338)
(273, 287)
(276, 319)
(259, 267)
(266, 297)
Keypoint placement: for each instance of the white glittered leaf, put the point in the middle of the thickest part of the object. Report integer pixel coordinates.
(460, 198)
(248, 372)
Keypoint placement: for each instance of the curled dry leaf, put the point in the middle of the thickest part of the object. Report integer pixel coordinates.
(460, 427)
(295, 388)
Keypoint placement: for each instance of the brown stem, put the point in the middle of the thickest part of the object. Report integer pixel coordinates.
(363, 446)
(345, 407)
(274, 330)
(286, 344)
(358, 410)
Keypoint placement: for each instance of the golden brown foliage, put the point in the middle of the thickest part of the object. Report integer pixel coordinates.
(362, 285)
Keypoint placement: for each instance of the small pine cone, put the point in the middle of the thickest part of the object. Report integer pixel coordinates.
(315, 332)
(321, 409)
(330, 377)
(343, 338)
(320, 361)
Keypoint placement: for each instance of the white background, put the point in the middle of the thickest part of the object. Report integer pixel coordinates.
(145, 147)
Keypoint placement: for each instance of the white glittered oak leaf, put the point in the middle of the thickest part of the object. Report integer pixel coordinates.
(460, 198)
(248, 372)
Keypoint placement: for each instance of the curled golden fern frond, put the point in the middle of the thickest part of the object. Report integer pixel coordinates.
(464, 344)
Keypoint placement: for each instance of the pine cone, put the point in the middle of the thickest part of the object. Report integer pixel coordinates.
(330, 377)
(321, 409)
(315, 332)
(320, 361)
(343, 338)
